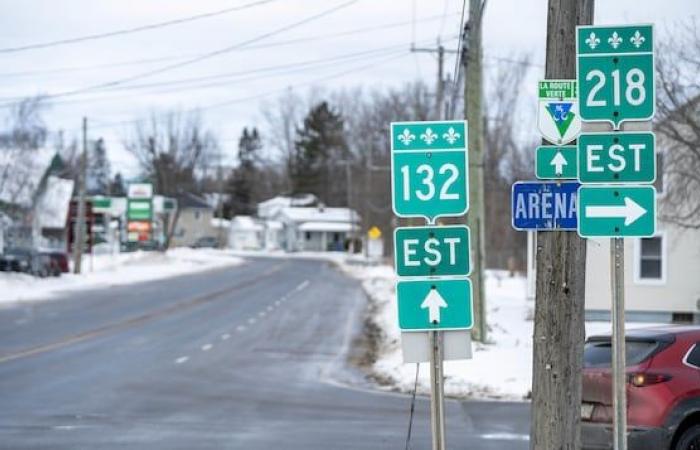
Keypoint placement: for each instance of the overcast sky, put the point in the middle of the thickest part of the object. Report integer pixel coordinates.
(377, 56)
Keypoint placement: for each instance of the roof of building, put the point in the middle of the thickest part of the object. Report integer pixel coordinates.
(21, 172)
(319, 214)
(271, 207)
(327, 226)
(52, 206)
(247, 223)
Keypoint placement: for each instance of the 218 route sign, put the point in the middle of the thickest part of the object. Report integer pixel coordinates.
(435, 304)
(429, 169)
(431, 251)
(617, 211)
(615, 69)
(620, 157)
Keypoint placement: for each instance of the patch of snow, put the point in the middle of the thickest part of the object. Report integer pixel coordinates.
(105, 270)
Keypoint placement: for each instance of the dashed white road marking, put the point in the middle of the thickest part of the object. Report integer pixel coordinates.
(270, 308)
(251, 320)
(505, 437)
(206, 347)
(261, 313)
(302, 285)
(277, 302)
(64, 427)
(240, 328)
(225, 336)
(182, 359)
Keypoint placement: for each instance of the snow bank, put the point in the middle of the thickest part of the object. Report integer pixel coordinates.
(500, 369)
(107, 270)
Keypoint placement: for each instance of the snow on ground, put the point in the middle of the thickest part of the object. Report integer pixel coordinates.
(500, 369)
(106, 270)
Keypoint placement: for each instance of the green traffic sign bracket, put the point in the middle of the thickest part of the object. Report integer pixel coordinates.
(429, 169)
(615, 73)
(556, 162)
(435, 304)
(617, 157)
(432, 251)
(616, 211)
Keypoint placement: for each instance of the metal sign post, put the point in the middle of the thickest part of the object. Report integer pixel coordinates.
(437, 401)
(617, 278)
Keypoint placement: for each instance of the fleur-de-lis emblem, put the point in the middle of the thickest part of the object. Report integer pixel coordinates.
(451, 136)
(406, 137)
(592, 41)
(637, 40)
(428, 137)
(615, 40)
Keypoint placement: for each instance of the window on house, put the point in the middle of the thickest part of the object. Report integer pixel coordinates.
(308, 235)
(650, 264)
(659, 183)
(196, 215)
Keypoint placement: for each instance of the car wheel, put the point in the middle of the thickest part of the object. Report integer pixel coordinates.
(690, 439)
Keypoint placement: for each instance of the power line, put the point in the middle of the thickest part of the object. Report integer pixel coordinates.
(153, 26)
(459, 44)
(71, 69)
(204, 56)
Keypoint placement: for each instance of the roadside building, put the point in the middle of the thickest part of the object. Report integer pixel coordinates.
(194, 220)
(246, 233)
(317, 228)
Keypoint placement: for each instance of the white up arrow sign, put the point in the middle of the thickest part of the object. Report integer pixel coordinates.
(433, 301)
(631, 211)
(558, 162)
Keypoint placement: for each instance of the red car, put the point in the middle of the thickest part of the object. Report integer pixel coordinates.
(663, 389)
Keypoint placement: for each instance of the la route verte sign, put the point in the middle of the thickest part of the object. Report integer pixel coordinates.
(429, 169)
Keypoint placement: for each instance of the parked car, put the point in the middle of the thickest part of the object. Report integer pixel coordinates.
(206, 242)
(59, 262)
(663, 389)
(28, 260)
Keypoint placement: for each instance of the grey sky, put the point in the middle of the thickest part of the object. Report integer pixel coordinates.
(511, 27)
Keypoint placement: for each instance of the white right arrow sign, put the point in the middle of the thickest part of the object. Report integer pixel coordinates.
(433, 301)
(558, 162)
(631, 211)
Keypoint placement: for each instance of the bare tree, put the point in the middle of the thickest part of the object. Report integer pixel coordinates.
(678, 125)
(172, 149)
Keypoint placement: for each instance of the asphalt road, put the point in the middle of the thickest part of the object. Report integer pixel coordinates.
(248, 357)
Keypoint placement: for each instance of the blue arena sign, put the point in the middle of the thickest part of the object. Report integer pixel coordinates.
(544, 205)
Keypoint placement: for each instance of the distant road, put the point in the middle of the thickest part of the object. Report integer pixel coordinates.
(247, 357)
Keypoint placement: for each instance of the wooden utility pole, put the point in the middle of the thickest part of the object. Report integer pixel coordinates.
(440, 86)
(79, 230)
(560, 284)
(473, 113)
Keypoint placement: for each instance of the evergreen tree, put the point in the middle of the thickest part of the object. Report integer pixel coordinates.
(319, 148)
(241, 184)
(98, 170)
(116, 187)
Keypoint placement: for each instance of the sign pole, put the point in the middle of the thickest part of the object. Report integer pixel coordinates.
(617, 276)
(437, 400)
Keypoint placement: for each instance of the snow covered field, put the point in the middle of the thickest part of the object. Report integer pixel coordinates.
(500, 369)
(110, 270)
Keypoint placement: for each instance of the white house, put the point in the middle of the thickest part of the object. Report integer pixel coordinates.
(246, 233)
(270, 208)
(317, 228)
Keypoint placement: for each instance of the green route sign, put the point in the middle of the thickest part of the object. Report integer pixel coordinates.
(616, 211)
(139, 209)
(429, 169)
(620, 157)
(435, 304)
(556, 163)
(431, 251)
(615, 70)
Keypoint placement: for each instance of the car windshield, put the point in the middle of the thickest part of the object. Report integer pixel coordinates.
(598, 354)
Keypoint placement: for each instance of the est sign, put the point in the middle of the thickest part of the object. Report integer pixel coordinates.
(619, 157)
(431, 251)
(615, 69)
(435, 304)
(429, 169)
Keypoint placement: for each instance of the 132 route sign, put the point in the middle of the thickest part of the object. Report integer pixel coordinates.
(431, 251)
(620, 157)
(556, 163)
(435, 304)
(615, 69)
(544, 206)
(617, 211)
(429, 169)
